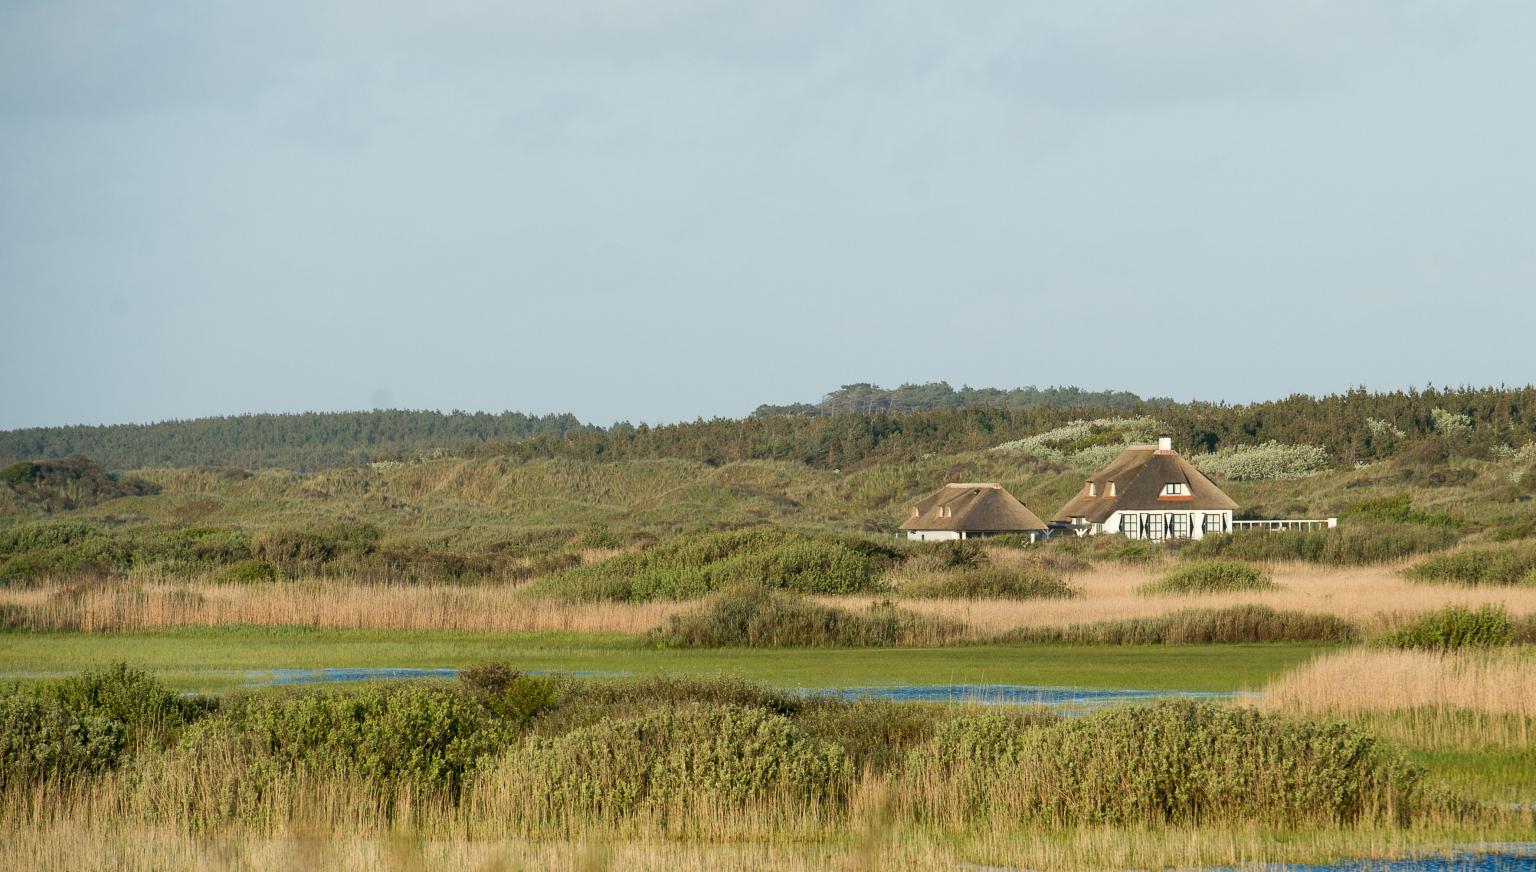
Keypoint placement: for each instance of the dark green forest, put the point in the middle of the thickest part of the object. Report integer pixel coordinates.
(868, 399)
(308, 441)
(1354, 427)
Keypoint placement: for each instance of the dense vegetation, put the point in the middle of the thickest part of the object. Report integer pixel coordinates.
(1231, 625)
(313, 440)
(1513, 564)
(1350, 428)
(540, 754)
(693, 566)
(756, 617)
(1210, 576)
(869, 399)
(1456, 627)
(50, 486)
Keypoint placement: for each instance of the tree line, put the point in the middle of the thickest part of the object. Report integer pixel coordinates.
(308, 441)
(1356, 426)
(868, 399)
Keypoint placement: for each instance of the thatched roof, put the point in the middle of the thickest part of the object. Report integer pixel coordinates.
(973, 508)
(1139, 474)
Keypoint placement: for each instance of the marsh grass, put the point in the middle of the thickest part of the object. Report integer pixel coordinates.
(1456, 627)
(992, 582)
(1496, 682)
(1230, 625)
(756, 617)
(1210, 576)
(1513, 564)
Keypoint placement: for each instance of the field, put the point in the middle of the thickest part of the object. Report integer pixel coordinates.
(665, 613)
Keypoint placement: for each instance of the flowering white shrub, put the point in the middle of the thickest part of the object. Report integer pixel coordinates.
(1380, 428)
(1450, 423)
(1267, 462)
(1095, 456)
(1045, 445)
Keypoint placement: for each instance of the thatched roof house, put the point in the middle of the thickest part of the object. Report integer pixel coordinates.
(1149, 492)
(968, 511)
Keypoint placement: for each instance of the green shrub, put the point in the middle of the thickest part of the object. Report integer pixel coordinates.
(1399, 509)
(1453, 628)
(992, 583)
(1496, 565)
(672, 763)
(316, 549)
(38, 550)
(249, 571)
(87, 723)
(1210, 576)
(1231, 625)
(760, 618)
(147, 710)
(42, 740)
(692, 566)
(420, 735)
(1356, 543)
(1179, 763)
(509, 694)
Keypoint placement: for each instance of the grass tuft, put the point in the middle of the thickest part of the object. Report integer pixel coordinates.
(1210, 576)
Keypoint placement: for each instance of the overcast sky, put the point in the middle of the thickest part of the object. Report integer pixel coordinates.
(659, 210)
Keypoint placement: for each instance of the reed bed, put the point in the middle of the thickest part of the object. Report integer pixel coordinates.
(1373, 680)
(104, 606)
(88, 844)
(1375, 598)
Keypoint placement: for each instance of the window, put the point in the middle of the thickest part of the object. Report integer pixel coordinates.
(1179, 529)
(1111, 488)
(1153, 525)
(1175, 489)
(1093, 489)
(1215, 524)
(1128, 525)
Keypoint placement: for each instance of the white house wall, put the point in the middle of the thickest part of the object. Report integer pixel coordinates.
(1197, 522)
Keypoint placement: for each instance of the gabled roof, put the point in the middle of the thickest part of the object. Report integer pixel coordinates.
(982, 507)
(1139, 474)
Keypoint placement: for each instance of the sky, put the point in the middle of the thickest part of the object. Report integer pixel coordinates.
(654, 211)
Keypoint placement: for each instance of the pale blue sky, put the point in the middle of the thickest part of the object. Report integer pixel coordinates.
(656, 210)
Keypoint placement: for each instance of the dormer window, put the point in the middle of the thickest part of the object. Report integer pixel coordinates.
(915, 512)
(1175, 489)
(1093, 489)
(1112, 489)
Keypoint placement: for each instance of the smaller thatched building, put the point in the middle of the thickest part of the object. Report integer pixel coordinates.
(970, 511)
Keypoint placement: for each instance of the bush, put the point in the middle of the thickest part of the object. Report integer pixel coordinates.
(666, 764)
(992, 583)
(1179, 763)
(692, 566)
(246, 571)
(509, 694)
(1498, 565)
(1399, 509)
(1354, 544)
(316, 549)
(42, 740)
(1210, 576)
(760, 618)
(427, 737)
(87, 723)
(1453, 628)
(1235, 624)
(1271, 461)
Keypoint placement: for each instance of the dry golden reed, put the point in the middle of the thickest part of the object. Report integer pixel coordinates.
(330, 604)
(1374, 680)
